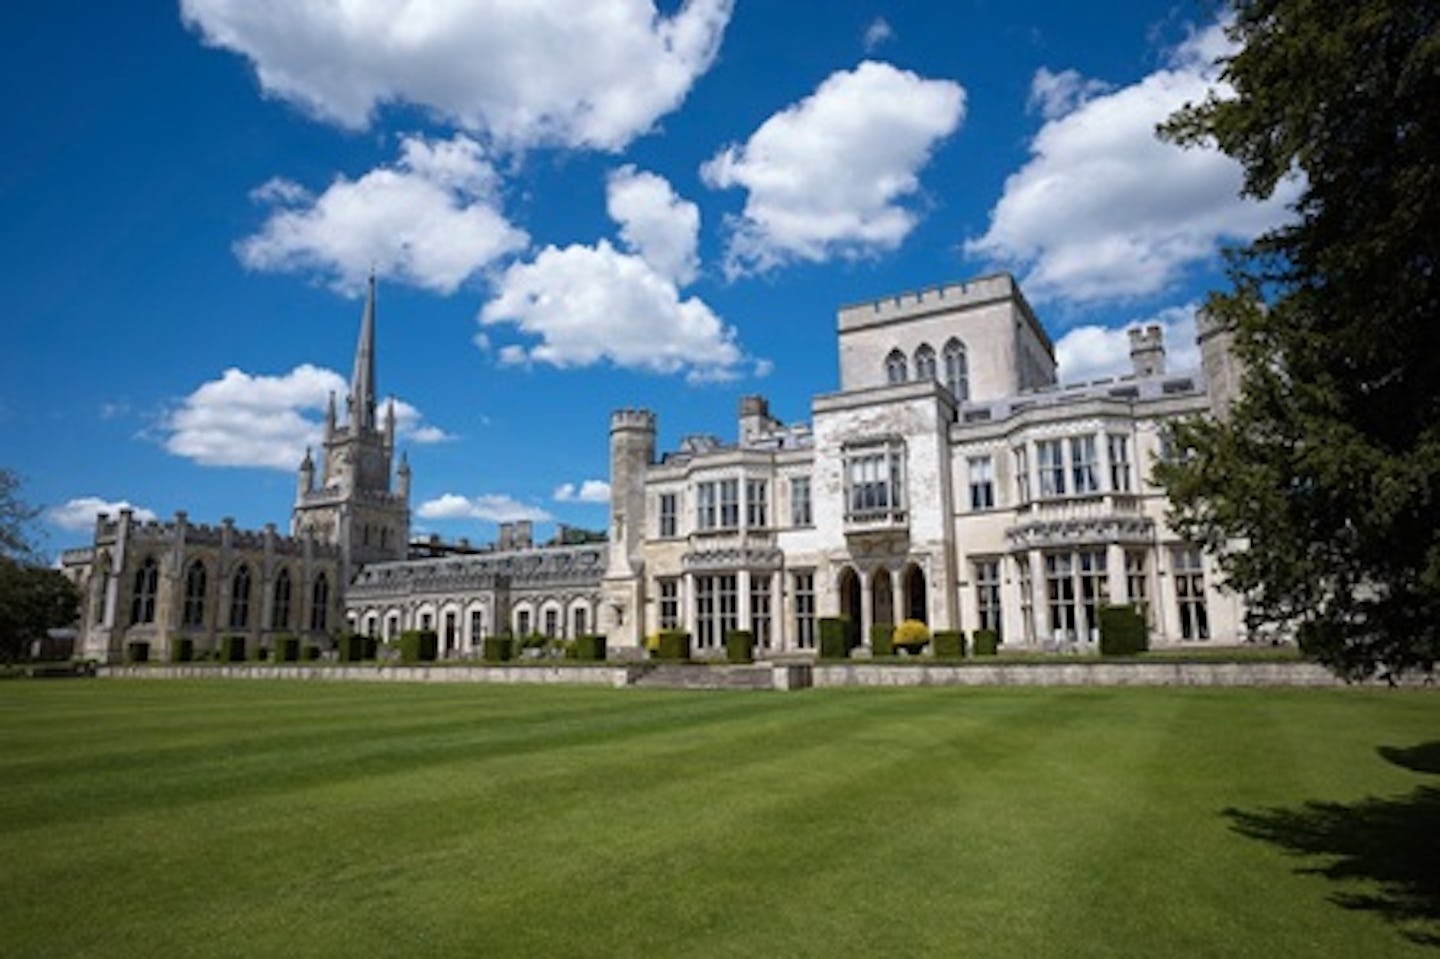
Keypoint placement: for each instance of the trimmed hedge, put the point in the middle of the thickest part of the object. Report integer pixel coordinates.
(912, 636)
(740, 646)
(834, 637)
(353, 648)
(880, 639)
(182, 650)
(949, 644)
(232, 649)
(137, 651)
(310, 653)
(497, 649)
(1122, 631)
(984, 642)
(419, 646)
(674, 645)
(287, 649)
(590, 648)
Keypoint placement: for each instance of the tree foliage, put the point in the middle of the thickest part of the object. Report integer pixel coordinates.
(15, 519)
(1327, 470)
(33, 598)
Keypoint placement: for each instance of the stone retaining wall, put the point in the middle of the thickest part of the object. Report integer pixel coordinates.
(571, 675)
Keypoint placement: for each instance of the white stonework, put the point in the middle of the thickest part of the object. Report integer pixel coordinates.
(949, 480)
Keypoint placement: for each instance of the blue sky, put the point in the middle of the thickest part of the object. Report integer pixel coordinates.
(570, 208)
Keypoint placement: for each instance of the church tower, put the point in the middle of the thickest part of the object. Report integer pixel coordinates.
(353, 504)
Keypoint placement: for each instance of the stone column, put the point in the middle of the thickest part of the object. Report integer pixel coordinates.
(867, 611)
(1115, 573)
(1039, 609)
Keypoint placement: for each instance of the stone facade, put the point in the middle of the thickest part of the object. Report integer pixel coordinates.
(948, 480)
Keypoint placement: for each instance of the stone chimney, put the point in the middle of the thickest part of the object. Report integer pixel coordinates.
(506, 538)
(1147, 350)
(755, 419)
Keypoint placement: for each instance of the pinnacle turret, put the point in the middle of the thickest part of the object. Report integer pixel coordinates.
(362, 378)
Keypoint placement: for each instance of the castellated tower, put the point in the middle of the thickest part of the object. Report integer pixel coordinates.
(353, 505)
(632, 451)
(1147, 350)
(1217, 359)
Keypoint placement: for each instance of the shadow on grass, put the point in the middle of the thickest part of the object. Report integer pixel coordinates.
(1391, 847)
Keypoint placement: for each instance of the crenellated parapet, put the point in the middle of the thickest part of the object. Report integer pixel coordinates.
(945, 297)
(642, 420)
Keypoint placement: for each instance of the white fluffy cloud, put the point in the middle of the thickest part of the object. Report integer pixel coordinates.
(494, 507)
(589, 491)
(1093, 352)
(589, 304)
(430, 220)
(78, 515)
(267, 421)
(1103, 209)
(826, 176)
(563, 72)
(655, 223)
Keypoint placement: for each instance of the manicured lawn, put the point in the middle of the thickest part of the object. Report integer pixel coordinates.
(216, 818)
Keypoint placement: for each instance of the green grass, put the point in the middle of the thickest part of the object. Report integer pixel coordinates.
(216, 818)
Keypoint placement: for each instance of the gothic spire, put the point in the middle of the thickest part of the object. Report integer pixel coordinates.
(362, 380)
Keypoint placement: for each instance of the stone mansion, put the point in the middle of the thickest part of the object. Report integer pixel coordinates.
(949, 479)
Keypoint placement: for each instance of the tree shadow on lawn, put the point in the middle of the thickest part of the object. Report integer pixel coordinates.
(1392, 845)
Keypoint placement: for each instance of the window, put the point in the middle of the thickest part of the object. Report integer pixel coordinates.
(1083, 467)
(1136, 582)
(425, 621)
(760, 609)
(1050, 455)
(194, 611)
(1022, 474)
(1094, 589)
(800, 513)
(392, 626)
(716, 610)
(477, 626)
(895, 371)
(718, 504)
(142, 601)
(667, 515)
(987, 593)
(925, 362)
(1060, 594)
(804, 588)
(756, 512)
(705, 513)
(875, 480)
(280, 608)
(319, 603)
(577, 615)
(729, 503)
(1119, 448)
(552, 622)
(522, 622)
(982, 482)
(452, 630)
(240, 598)
(957, 371)
(669, 604)
(1190, 592)
(1027, 598)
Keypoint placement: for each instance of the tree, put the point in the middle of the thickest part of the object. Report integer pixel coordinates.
(33, 599)
(1327, 467)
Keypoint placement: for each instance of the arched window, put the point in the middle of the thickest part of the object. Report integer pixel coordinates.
(319, 603)
(142, 601)
(925, 362)
(280, 611)
(957, 372)
(240, 598)
(194, 612)
(895, 367)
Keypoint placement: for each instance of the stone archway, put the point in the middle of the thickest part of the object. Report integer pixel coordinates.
(912, 593)
(882, 598)
(848, 587)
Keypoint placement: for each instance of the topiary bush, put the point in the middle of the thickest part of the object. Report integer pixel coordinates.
(419, 646)
(1122, 631)
(949, 644)
(137, 651)
(232, 649)
(497, 649)
(353, 648)
(881, 635)
(310, 653)
(740, 646)
(182, 650)
(674, 645)
(911, 636)
(834, 637)
(287, 649)
(984, 642)
(590, 648)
